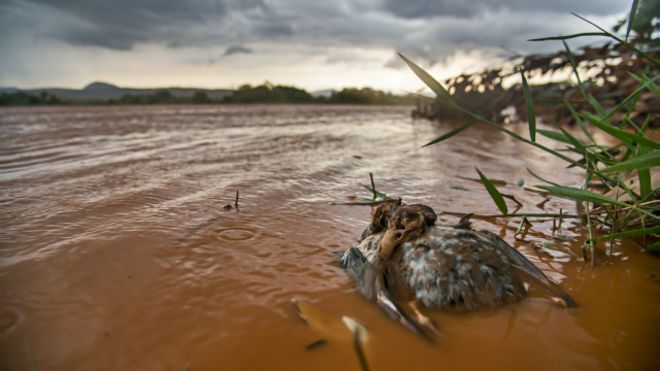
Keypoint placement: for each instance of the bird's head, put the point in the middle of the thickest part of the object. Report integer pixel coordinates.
(405, 223)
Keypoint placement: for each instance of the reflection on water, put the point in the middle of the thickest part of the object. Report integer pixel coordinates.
(116, 253)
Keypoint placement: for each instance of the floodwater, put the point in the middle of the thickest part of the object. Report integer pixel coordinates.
(116, 252)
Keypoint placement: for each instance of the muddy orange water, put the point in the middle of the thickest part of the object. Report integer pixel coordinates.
(116, 252)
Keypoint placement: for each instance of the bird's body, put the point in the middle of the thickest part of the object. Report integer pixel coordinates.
(448, 268)
(442, 267)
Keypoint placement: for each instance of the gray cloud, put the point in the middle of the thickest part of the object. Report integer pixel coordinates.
(237, 49)
(120, 24)
(395, 62)
(274, 29)
(472, 8)
(428, 30)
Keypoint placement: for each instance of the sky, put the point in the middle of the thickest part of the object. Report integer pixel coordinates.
(313, 44)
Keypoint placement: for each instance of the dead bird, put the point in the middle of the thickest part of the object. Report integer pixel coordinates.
(404, 261)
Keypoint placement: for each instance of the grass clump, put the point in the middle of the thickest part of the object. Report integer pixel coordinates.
(626, 203)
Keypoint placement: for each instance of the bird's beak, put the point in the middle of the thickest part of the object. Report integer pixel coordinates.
(393, 236)
(390, 240)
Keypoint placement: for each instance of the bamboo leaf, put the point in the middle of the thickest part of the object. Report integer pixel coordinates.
(622, 135)
(631, 17)
(531, 115)
(431, 82)
(494, 193)
(566, 37)
(654, 246)
(632, 233)
(448, 135)
(644, 161)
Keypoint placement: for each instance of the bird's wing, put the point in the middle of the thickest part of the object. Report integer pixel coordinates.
(416, 321)
(529, 271)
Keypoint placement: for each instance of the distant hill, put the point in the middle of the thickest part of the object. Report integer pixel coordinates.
(103, 92)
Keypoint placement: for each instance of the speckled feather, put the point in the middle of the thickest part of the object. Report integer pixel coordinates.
(448, 268)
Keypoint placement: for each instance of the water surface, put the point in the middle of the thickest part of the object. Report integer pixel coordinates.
(116, 252)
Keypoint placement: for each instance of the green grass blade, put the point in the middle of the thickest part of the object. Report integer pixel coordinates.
(584, 195)
(632, 233)
(644, 161)
(571, 59)
(494, 193)
(604, 31)
(617, 38)
(645, 85)
(644, 176)
(448, 135)
(595, 104)
(431, 82)
(579, 121)
(531, 115)
(566, 37)
(564, 137)
(374, 191)
(643, 79)
(646, 123)
(541, 178)
(577, 143)
(633, 125)
(580, 194)
(622, 135)
(631, 17)
(554, 135)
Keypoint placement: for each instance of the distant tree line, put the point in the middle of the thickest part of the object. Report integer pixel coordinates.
(265, 93)
(161, 97)
(21, 99)
(268, 93)
(369, 96)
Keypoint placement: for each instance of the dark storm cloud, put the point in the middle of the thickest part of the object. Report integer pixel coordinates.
(466, 9)
(274, 30)
(120, 24)
(429, 29)
(237, 49)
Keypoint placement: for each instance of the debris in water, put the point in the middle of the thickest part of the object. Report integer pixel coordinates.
(541, 204)
(343, 329)
(316, 344)
(229, 206)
